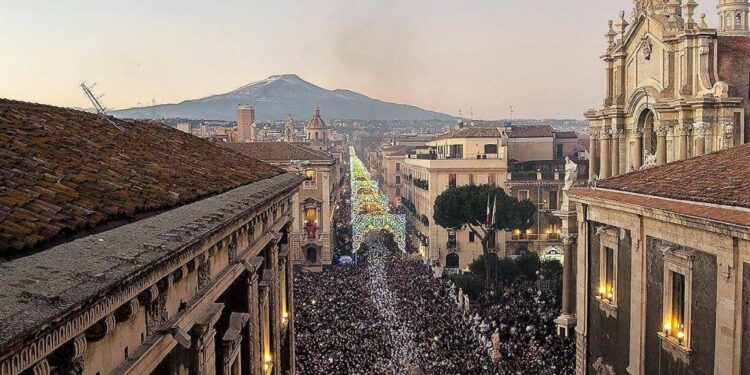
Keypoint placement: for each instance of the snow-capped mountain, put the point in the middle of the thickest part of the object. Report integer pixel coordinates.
(277, 96)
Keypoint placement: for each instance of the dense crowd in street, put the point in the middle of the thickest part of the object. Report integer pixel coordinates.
(390, 315)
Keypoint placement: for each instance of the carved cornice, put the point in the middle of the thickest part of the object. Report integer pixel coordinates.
(143, 287)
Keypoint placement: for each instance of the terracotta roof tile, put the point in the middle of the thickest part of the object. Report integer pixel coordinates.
(64, 171)
(692, 209)
(278, 151)
(721, 178)
(566, 135)
(531, 131)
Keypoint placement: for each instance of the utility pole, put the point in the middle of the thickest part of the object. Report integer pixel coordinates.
(95, 101)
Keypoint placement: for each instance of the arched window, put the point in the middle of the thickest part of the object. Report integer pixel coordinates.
(738, 21)
(490, 149)
(451, 260)
(316, 135)
(728, 22)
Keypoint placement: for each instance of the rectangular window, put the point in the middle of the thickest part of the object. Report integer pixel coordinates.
(559, 151)
(553, 199)
(456, 152)
(523, 195)
(678, 305)
(398, 180)
(451, 180)
(398, 167)
(471, 237)
(609, 273)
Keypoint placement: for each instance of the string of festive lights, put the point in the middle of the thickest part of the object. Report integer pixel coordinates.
(370, 206)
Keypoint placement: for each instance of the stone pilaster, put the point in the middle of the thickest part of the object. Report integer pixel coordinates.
(204, 345)
(637, 156)
(254, 357)
(683, 131)
(661, 143)
(593, 137)
(700, 129)
(728, 135)
(616, 136)
(605, 163)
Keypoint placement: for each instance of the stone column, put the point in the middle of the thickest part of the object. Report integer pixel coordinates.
(604, 164)
(203, 347)
(661, 143)
(568, 295)
(593, 137)
(254, 361)
(616, 136)
(638, 149)
(683, 130)
(700, 129)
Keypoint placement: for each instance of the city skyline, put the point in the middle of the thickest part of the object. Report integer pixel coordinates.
(480, 57)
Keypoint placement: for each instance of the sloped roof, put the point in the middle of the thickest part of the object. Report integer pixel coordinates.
(64, 172)
(471, 132)
(278, 151)
(719, 178)
(566, 135)
(531, 131)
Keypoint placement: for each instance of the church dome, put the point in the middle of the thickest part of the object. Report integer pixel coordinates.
(316, 122)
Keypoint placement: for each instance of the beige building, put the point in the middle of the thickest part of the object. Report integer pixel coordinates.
(465, 156)
(316, 129)
(676, 88)
(167, 264)
(184, 127)
(389, 171)
(245, 124)
(311, 238)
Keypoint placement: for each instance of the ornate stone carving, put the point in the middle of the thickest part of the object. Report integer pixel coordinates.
(233, 250)
(648, 6)
(101, 329)
(684, 128)
(68, 359)
(204, 273)
(156, 314)
(616, 133)
(127, 311)
(603, 368)
(661, 130)
(569, 238)
(593, 134)
(647, 48)
(701, 128)
(41, 368)
(638, 133)
(649, 160)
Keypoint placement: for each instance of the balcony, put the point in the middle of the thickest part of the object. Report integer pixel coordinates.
(422, 184)
(535, 237)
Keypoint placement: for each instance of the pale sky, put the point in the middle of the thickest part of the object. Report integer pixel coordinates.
(541, 56)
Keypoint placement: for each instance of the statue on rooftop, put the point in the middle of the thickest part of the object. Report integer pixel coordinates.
(650, 160)
(571, 173)
(648, 6)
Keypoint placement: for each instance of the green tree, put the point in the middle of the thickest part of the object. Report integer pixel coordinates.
(523, 216)
(466, 206)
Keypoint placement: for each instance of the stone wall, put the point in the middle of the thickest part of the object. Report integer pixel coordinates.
(611, 341)
(703, 322)
(745, 365)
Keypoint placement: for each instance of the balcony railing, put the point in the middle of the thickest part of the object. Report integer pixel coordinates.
(535, 237)
(422, 184)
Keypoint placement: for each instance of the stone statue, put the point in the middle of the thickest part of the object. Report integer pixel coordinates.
(650, 160)
(496, 346)
(571, 173)
(467, 303)
(647, 6)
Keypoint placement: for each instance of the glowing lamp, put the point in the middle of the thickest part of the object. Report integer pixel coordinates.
(285, 314)
(680, 336)
(602, 290)
(268, 358)
(666, 328)
(265, 367)
(310, 173)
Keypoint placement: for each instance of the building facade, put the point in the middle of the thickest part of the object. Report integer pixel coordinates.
(200, 284)
(245, 124)
(659, 282)
(676, 88)
(465, 156)
(314, 207)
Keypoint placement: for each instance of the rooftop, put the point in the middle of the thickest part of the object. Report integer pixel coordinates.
(44, 289)
(278, 151)
(471, 132)
(566, 135)
(721, 178)
(531, 131)
(64, 173)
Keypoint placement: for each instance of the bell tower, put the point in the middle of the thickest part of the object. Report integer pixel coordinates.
(733, 17)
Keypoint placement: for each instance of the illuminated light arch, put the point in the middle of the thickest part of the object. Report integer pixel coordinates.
(370, 207)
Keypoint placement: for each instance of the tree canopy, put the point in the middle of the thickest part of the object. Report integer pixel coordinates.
(467, 205)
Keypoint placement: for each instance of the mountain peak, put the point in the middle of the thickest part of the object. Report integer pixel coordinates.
(283, 94)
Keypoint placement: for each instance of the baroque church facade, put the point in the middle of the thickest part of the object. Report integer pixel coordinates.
(676, 88)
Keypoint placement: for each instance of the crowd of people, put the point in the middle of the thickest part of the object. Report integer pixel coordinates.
(390, 314)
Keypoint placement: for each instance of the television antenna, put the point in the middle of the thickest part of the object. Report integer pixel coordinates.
(95, 101)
